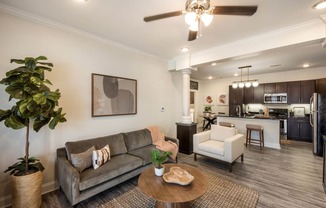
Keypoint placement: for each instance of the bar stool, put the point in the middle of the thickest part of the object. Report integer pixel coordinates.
(260, 130)
(227, 124)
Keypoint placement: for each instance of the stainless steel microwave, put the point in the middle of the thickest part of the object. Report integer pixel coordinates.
(276, 98)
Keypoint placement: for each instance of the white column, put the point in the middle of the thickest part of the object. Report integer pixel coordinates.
(186, 118)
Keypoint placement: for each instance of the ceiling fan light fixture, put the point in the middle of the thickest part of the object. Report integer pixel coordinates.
(194, 26)
(190, 18)
(206, 18)
(320, 5)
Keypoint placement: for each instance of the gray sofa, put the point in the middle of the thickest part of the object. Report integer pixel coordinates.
(130, 155)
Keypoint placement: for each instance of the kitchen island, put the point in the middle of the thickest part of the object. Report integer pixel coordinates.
(271, 128)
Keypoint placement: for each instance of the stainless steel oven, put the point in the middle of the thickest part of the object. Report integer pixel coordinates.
(283, 126)
(282, 115)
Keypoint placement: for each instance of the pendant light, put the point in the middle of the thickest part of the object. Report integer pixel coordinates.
(248, 83)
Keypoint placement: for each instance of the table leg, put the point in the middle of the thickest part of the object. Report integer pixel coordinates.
(159, 204)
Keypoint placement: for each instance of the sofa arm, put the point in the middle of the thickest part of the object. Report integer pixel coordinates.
(199, 138)
(233, 147)
(174, 140)
(68, 178)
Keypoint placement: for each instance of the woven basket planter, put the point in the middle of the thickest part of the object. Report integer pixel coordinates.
(27, 190)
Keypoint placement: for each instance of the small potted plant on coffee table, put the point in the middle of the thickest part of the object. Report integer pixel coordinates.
(158, 157)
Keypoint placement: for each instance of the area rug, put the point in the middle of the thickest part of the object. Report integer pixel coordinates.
(221, 193)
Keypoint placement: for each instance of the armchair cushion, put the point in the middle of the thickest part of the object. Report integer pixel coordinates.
(212, 146)
(220, 133)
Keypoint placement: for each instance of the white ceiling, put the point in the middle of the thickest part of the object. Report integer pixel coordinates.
(122, 22)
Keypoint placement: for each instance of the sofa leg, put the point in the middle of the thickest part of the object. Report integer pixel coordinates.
(230, 167)
(176, 159)
(242, 158)
(195, 156)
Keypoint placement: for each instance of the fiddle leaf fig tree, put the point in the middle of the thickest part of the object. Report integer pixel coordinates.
(35, 107)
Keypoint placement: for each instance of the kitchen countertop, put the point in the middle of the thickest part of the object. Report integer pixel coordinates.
(252, 117)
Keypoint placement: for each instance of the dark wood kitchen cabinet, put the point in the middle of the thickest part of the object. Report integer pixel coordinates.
(307, 89)
(301, 91)
(236, 97)
(321, 85)
(254, 94)
(269, 88)
(294, 92)
(281, 87)
(248, 95)
(299, 129)
(259, 94)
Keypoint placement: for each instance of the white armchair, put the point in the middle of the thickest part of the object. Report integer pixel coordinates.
(222, 143)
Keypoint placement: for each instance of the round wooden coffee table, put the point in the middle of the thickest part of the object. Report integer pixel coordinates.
(169, 194)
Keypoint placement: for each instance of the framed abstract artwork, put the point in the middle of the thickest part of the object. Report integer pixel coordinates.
(223, 99)
(113, 95)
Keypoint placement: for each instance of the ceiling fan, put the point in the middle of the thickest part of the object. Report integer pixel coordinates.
(197, 11)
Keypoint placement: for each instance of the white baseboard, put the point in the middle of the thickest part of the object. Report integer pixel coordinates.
(5, 201)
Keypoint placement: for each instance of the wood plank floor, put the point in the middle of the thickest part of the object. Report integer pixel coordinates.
(290, 177)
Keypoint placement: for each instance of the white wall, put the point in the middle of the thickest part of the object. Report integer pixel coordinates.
(75, 57)
(218, 86)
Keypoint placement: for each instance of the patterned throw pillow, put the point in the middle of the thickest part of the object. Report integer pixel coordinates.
(101, 156)
(82, 160)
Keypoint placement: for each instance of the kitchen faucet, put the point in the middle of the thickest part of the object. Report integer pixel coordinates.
(238, 110)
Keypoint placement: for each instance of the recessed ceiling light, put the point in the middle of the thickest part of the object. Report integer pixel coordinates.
(320, 5)
(184, 49)
(236, 74)
(305, 65)
(210, 77)
(213, 64)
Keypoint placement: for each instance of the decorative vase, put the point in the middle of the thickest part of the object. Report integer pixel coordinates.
(159, 171)
(27, 190)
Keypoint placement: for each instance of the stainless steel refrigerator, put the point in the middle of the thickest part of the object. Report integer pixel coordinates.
(318, 121)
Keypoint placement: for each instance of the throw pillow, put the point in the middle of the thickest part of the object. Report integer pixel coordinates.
(82, 160)
(101, 156)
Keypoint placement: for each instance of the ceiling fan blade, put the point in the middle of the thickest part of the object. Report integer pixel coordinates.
(235, 10)
(162, 16)
(192, 35)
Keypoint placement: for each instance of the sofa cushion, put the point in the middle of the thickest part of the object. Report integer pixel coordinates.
(137, 139)
(99, 157)
(212, 146)
(144, 153)
(116, 143)
(117, 166)
(220, 133)
(82, 160)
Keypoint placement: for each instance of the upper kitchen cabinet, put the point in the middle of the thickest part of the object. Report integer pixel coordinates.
(254, 94)
(259, 94)
(236, 95)
(307, 89)
(281, 87)
(300, 91)
(269, 88)
(321, 85)
(248, 95)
